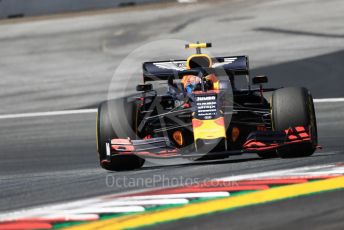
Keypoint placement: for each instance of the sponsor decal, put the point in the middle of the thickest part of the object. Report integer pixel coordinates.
(179, 65)
(206, 107)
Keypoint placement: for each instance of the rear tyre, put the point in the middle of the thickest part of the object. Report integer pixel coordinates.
(117, 119)
(293, 107)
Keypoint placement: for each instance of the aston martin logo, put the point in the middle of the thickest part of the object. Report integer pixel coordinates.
(178, 65)
(225, 62)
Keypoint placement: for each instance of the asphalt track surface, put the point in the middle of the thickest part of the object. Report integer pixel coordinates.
(68, 63)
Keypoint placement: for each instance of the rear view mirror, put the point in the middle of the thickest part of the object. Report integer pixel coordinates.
(260, 79)
(144, 87)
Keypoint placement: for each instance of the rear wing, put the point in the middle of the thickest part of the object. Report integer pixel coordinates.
(163, 70)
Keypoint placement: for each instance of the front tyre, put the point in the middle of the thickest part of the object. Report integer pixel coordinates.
(117, 119)
(293, 107)
(268, 155)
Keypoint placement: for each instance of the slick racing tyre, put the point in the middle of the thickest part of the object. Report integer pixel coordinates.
(293, 107)
(117, 119)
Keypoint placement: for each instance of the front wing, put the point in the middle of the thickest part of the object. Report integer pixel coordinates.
(160, 147)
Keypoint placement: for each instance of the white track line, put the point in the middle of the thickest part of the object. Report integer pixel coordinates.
(181, 195)
(94, 110)
(93, 210)
(43, 210)
(124, 203)
(70, 205)
(65, 217)
(322, 100)
(46, 114)
(101, 210)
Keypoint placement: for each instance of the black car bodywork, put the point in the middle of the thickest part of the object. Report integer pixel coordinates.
(161, 121)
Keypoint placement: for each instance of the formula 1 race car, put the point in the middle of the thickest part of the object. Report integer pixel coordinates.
(193, 109)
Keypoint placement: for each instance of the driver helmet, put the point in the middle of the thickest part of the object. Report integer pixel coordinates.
(190, 82)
